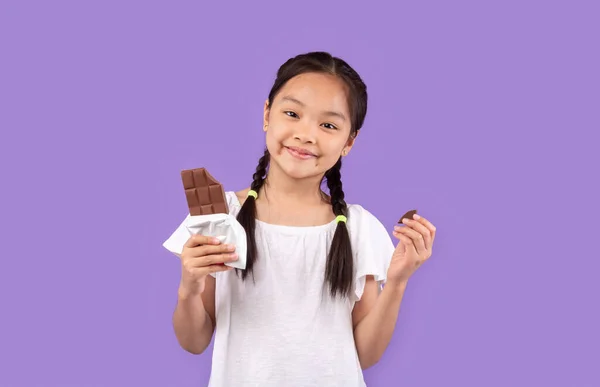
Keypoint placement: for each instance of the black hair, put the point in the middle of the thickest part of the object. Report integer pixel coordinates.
(340, 264)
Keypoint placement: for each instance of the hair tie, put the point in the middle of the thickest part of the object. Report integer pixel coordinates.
(252, 193)
(341, 218)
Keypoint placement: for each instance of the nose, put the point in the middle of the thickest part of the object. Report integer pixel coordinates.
(305, 133)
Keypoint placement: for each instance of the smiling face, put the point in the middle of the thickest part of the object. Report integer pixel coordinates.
(308, 125)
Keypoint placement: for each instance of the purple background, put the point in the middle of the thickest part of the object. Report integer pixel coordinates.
(481, 116)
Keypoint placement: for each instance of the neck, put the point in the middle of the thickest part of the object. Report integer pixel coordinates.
(282, 188)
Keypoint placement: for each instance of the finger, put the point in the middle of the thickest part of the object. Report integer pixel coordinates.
(421, 229)
(401, 247)
(198, 240)
(203, 250)
(213, 259)
(427, 224)
(405, 241)
(416, 237)
(409, 242)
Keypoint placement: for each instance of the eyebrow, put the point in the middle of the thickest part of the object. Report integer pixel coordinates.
(327, 113)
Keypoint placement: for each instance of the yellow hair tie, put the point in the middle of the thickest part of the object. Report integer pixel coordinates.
(341, 218)
(252, 193)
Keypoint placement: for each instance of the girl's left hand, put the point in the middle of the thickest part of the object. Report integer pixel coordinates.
(414, 247)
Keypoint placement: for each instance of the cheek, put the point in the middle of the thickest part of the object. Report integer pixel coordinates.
(272, 136)
(273, 141)
(277, 132)
(334, 149)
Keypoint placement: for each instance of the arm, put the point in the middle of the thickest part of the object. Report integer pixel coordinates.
(194, 317)
(374, 318)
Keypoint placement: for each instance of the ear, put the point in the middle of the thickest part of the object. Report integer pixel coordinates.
(349, 144)
(266, 115)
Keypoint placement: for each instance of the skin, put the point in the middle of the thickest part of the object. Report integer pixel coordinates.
(310, 112)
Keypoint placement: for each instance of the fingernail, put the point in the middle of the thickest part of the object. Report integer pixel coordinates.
(216, 241)
(230, 247)
(416, 217)
(233, 256)
(397, 228)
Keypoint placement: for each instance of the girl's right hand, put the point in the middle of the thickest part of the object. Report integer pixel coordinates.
(201, 256)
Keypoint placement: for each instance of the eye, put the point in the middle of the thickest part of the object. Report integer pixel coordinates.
(330, 126)
(291, 114)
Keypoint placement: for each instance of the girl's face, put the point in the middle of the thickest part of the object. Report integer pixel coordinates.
(308, 125)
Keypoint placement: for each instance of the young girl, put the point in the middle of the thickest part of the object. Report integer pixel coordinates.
(308, 310)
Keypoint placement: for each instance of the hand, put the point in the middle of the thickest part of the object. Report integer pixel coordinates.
(201, 256)
(414, 247)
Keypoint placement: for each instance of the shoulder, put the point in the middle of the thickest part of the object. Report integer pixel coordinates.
(241, 196)
(366, 230)
(235, 200)
(361, 218)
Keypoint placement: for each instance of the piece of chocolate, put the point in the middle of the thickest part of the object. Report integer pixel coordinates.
(204, 194)
(408, 215)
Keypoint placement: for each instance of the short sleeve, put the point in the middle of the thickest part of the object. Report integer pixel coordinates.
(372, 248)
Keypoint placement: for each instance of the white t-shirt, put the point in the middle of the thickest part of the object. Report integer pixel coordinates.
(283, 329)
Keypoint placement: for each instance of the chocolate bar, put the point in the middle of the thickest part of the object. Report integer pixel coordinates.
(408, 215)
(204, 194)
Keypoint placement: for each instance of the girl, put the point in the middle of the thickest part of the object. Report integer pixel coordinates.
(308, 310)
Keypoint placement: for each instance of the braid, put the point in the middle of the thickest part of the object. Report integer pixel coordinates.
(334, 183)
(247, 214)
(340, 263)
(340, 260)
(261, 170)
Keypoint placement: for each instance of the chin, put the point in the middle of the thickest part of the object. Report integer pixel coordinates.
(300, 175)
(298, 170)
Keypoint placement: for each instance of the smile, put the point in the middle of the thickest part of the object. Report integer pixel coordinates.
(299, 153)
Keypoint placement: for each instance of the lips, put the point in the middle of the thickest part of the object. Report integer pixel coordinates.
(300, 153)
